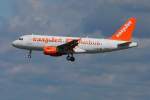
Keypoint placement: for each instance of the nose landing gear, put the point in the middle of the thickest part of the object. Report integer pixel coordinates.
(29, 55)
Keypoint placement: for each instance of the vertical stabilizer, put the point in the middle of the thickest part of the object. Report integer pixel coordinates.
(125, 32)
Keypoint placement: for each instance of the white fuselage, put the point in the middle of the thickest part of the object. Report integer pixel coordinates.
(86, 45)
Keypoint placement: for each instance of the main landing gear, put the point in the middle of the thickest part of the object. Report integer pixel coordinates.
(70, 58)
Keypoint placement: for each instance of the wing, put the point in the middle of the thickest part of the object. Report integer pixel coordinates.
(68, 47)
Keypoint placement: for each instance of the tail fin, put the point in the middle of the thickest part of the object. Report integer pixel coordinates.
(125, 32)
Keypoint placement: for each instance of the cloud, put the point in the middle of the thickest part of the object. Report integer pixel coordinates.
(70, 17)
(104, 79)
(5, 47)
(132, 6)
(26, 68)
(52, 89)
(37, 16)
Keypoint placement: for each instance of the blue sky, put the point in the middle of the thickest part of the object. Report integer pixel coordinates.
(111, 76)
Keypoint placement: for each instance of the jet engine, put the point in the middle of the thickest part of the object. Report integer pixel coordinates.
(52, 51)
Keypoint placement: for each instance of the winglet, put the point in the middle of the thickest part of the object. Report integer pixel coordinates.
(125, 32)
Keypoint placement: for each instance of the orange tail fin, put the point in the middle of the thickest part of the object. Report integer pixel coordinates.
(125, 32)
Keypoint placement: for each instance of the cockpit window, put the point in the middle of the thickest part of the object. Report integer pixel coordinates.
(20, 38)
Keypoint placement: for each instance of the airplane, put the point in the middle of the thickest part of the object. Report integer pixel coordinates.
(59, 45)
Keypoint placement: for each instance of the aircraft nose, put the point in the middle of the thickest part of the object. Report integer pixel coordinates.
(14, 43)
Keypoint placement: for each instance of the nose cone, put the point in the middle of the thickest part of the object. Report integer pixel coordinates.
(14, 43)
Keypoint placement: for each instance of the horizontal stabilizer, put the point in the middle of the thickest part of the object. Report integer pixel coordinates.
(128, 45)
(124, 44)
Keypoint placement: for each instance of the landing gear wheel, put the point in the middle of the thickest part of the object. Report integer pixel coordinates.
(72, 59)
(29, 56)
(68, 58)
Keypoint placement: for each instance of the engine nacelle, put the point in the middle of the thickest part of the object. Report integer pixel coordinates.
(52, 51)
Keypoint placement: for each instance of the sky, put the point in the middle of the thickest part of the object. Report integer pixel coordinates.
(110, 76)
